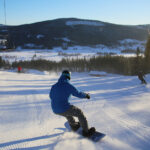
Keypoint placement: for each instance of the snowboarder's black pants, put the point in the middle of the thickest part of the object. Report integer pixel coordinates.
(72, 112)
(143, 80)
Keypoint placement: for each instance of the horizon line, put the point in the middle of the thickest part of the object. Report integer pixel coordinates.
(1, 24)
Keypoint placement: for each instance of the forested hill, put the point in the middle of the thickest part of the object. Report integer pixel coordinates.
(72, 31)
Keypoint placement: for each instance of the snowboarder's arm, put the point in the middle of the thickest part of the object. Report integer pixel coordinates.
(77, 93)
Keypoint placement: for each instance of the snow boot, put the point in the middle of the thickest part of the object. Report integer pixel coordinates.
(75, 126)
(90, 132)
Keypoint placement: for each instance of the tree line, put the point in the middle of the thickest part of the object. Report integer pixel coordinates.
(108, 63)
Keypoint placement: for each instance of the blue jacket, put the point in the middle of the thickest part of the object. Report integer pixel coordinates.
(60, 94)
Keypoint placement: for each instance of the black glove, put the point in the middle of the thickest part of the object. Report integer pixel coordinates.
(88, 96)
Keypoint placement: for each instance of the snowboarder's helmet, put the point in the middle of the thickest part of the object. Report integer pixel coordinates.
(67, 74)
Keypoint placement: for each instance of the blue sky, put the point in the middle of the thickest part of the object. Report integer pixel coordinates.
(131, 12)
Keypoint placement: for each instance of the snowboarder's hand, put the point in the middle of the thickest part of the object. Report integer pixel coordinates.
(88, 96)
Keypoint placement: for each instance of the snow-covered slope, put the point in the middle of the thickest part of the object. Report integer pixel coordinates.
(126, 48)
(119, 107)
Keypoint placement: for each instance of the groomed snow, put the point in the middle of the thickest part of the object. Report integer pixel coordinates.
(119, 107)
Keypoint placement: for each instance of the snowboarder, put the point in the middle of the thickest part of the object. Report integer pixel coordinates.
(60, 94)
(141, 77)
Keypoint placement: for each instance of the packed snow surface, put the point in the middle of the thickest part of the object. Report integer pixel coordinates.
(119, 107)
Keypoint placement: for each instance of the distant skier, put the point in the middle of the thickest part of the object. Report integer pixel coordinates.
(19, 69)
(141, 77)
(60, 94)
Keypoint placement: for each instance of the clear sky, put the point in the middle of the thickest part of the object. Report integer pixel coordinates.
(131, 12)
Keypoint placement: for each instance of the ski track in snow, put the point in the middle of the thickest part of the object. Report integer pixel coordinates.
(119, 107)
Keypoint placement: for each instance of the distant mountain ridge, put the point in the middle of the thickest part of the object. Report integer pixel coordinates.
(66, 32)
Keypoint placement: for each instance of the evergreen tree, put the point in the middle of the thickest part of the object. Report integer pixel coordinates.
(1, 62)
(138, 63)
(147, 55)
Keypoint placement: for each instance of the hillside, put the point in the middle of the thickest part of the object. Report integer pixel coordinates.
(71, 32)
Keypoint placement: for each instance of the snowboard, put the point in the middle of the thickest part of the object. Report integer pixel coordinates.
(96, 137)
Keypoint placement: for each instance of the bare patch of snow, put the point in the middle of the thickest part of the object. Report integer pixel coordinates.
(39, 36)
(130, 41)
(90, 23)
(65, 39)
(31, 45)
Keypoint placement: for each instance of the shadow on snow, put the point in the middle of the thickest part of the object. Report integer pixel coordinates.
(2, 145)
